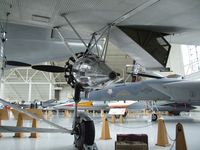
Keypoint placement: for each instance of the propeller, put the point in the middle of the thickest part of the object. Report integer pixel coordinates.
(17, 63)
(49, 68)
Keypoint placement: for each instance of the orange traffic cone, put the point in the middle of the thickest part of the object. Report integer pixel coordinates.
(121, 119)
(180, 138)
(34, 125)
(105, 132)
(19, 124)
(66, 113)
(113, 119)
(162, 139)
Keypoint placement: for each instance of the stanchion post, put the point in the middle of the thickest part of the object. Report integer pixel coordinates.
(180, 138)
(105, 132)
(162, 139)
(19, 124)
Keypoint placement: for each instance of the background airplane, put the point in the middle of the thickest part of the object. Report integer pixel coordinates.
(92, 105)
(161, 89)
(179, 92)
(174, 108)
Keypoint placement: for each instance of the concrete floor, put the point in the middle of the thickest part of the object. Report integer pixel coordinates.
(136, 125)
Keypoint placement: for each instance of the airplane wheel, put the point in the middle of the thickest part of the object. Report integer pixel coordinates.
(85, 134)
(154, 117)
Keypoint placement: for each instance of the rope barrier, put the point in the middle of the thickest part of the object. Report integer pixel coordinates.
(133, 127)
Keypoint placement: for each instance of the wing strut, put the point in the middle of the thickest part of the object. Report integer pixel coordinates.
(64, 16)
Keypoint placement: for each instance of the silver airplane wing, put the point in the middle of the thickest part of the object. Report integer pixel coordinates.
(29, 129)
(29, 38)
(184, 90)
(177, 89)
(34, 116)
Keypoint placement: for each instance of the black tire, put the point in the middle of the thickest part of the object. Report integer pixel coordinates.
(154, 117)
(85, 134)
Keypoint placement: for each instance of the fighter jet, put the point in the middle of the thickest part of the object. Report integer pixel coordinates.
(179, 91)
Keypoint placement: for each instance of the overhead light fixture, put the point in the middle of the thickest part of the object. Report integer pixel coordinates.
(75, 44)
(58, 88)
(40, 18)
(82, 45)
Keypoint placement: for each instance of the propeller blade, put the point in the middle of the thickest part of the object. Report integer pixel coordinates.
(149, 75)
(49, 68)
(72, 59)
(17, 63)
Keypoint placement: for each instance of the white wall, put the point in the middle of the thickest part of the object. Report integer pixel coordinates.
(66, 92)
(19, 92)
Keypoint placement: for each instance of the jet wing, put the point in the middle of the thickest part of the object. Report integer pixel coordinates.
(189, 84)
(129, 91)
(184, 90)
(159, 89)
(179, 90)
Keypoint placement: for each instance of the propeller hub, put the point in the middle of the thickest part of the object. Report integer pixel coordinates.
(89, 70)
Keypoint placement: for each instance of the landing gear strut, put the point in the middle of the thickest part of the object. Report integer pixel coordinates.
(83, 126)
(84, 131)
